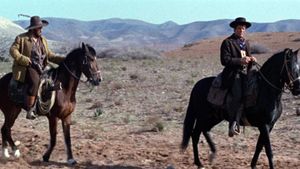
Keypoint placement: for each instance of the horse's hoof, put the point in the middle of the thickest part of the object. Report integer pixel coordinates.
(17, 153)
(45, 159)
(72, 161)
(6, 153)
(212, 157)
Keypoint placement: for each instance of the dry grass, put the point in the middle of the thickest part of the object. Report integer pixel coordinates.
(112, 122)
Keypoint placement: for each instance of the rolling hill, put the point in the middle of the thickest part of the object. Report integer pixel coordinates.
(165, 36)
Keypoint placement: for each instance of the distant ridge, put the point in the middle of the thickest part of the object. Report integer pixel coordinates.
(8, 32)
(130, 32)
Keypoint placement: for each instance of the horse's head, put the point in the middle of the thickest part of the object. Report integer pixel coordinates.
(89, 65)
(291, 71)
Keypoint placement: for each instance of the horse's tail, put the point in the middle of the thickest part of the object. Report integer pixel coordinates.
(197, 106)
(188, 126)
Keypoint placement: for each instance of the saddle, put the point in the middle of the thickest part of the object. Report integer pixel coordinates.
(17, 91)
(45, 97)
(217, 95)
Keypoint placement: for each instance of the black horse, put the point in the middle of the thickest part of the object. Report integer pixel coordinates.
(279, 70)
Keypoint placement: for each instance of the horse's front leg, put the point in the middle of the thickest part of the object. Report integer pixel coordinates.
(53, 132)
(259, 146)
(66, 128)
(211, 145)
(266, 133)
(263, 140)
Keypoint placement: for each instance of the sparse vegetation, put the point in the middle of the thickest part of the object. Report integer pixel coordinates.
(130, 53)
(134, 118)
(296, 40)
(4, 59)
(258, 49)
(98, 112)
(96, 105)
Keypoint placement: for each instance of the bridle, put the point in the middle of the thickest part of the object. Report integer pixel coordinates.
(289, 85)
(291, 79)
(85, 63)
(88, 66)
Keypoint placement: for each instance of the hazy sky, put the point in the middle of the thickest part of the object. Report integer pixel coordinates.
(155, 11)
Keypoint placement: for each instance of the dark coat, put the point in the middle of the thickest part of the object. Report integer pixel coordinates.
(231, 59)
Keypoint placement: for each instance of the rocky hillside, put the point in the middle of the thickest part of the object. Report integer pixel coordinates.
(8, 31)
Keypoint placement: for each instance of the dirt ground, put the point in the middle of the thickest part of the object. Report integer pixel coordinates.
(133, 120)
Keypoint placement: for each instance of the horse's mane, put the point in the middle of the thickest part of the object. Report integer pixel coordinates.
(273, 61)
(73, 56)
(76, 51)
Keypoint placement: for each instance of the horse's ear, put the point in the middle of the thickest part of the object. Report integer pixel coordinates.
(296, 52)
(84, 47)
(288, 52)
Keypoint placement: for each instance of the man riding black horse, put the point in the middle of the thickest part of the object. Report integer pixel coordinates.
(31, 54)
(237, 59)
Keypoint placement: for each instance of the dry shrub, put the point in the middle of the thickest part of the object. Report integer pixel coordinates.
(98, 112)
(137, 77)
(130, 53)
(116, 86)
(123, 68)
(296, 40)
(155, 124)
(297, 112)
(119, 102)
(88, 100)
(97, 104)
(133, 76)
(258, 49)
(4, 59)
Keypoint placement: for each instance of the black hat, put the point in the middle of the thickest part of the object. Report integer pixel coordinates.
(240, 21)
(37, 22)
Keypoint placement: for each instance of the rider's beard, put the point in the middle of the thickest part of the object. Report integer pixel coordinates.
(37, 33)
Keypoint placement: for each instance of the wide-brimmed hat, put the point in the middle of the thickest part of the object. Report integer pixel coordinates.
(37, 22)
(240, 21)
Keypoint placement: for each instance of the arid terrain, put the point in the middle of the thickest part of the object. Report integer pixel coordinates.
(133, 120)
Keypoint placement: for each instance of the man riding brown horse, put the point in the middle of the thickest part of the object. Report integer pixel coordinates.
(31, 55)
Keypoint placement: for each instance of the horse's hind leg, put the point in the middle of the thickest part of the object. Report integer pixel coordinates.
(195, 138)
(211, 145)
(53, 133)
(6, 133)
(4, 142)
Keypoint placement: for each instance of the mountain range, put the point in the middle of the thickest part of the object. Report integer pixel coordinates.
(117, 33)
(104, 33)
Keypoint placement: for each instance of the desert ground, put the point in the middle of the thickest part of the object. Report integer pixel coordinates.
(134, 119)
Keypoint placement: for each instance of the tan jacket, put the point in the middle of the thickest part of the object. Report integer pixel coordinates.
(20, 50)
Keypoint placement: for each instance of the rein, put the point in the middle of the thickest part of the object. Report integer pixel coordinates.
(78, 78)
(258, 66)
(290, 77)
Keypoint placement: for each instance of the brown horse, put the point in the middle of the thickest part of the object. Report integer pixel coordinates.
(68, 73)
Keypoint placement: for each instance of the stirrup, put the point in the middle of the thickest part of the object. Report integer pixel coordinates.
(234, 129)
(30, 115)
